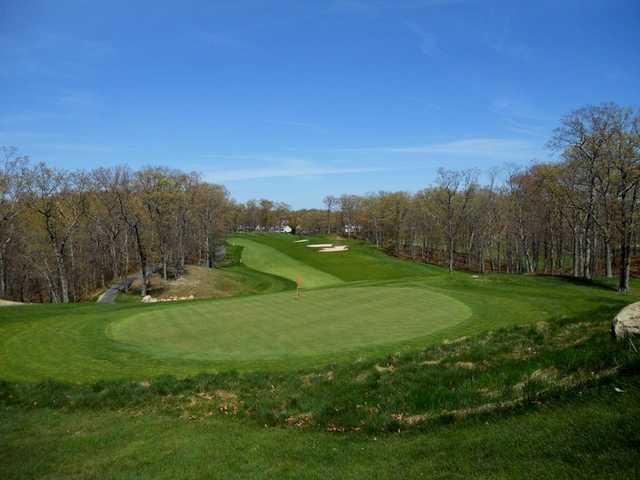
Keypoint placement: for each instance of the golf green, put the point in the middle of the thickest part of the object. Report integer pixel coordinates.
(281, 325)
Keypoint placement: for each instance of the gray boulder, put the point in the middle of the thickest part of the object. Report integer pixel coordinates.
(627, 322)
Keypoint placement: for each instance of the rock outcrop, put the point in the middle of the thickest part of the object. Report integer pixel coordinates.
(150, 299)
(627, 322)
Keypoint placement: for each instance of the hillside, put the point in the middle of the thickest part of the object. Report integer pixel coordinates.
(384, 361)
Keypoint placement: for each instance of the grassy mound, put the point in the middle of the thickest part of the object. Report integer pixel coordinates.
(231, 280)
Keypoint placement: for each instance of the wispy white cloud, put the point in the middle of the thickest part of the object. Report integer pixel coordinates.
(25, 137)
(74, 147)
(503, 43)
(520, 117)
(429, 105)
(254, 157)
(284, 169)
(509, 48)
(497, 148)
(25, 117)
(296, 124)
(49, 142)
(38, 41)
(51, 54)
(524, 128)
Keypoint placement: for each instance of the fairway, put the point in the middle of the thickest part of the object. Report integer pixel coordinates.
(282, 325)
(269, 260)
(360, 262)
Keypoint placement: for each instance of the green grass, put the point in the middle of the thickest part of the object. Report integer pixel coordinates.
(594, 435)
(71, 342)
(500, 376)
(264, 258)
(321, 322)
(360, 262)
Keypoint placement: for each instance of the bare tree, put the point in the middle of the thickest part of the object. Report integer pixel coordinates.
(58, 198)
(11, 166)
(451, 198)
(330, 202)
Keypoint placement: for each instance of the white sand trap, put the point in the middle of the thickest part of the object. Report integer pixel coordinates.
(300, 241)
(320, 245)
(9, 303)
(337, 248)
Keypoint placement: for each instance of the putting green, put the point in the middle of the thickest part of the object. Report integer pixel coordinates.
(269, 260)
(281, 325)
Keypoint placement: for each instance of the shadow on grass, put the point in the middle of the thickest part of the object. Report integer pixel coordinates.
(609, 284)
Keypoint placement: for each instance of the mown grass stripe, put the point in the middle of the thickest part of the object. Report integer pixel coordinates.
(269, 260)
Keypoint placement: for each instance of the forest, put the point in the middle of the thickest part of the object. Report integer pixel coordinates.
(65, 235)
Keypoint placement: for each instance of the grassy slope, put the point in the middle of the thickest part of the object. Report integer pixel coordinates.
(229, 281)
(266, 259)
(595, 435)
(177, 429)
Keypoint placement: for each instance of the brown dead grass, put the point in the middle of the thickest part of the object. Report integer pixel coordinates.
(465, 365)
(300, 420)
(201, 282)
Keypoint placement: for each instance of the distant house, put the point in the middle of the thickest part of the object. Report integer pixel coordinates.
(351, 229)
(281, 228)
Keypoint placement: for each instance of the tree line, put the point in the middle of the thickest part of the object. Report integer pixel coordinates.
(66, 234)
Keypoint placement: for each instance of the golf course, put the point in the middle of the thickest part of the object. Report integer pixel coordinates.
(373, 357)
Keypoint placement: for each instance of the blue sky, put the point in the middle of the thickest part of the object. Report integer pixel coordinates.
(294, 100)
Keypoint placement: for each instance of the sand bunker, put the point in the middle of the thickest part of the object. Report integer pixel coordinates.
(300, 241)
(320, 245)
(337, 248)
(9, 303)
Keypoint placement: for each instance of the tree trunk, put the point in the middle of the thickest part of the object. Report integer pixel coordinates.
(576, 262)
(625, 265)
(62, 274)
(143, 261)
(164, 267)
(3, 283)
(626, 231)
(451, 259)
